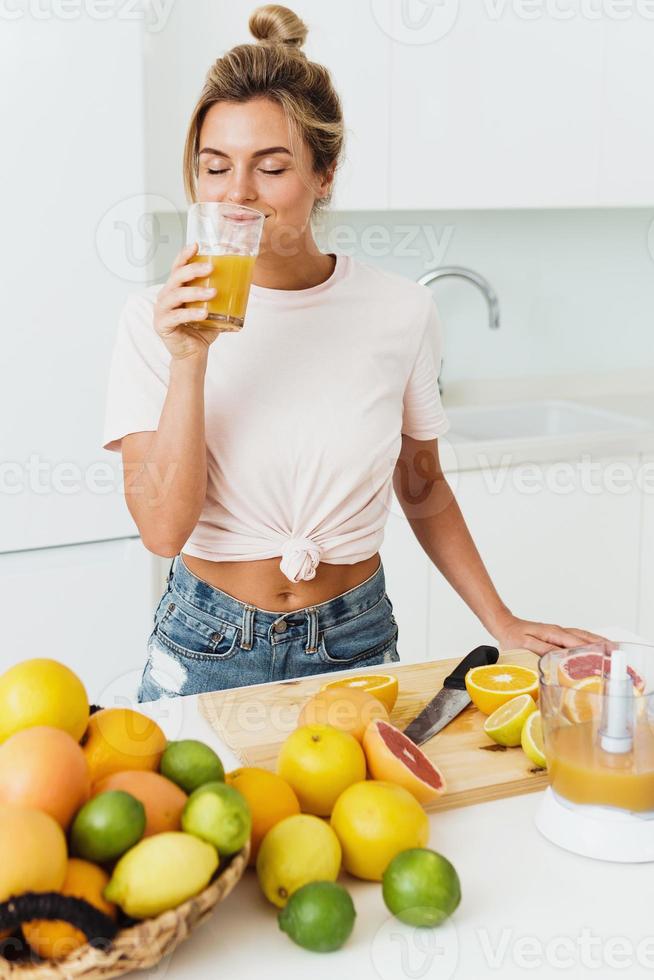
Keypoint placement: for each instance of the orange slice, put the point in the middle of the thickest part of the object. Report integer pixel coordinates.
(382, 686)
(581, 703)
(492, 686)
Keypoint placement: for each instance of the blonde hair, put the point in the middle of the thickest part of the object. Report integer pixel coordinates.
(275, 68)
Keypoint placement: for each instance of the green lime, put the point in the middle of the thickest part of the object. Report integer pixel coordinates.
(190, 763)
(421, 887)
(107, 826)
(318, 916)
(219, 814)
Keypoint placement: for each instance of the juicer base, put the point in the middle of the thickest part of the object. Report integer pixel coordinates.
(603, 832)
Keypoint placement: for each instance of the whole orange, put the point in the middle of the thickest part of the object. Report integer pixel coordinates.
(163, 800)
(54, 939)
(120, 738)
(44, 768)
(270, 798)
(350, 709)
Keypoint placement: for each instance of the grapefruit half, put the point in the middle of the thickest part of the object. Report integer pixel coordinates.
(579, 666)
(394, 758)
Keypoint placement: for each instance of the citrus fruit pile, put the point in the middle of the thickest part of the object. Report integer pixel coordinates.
(348, 795)
(102, 807)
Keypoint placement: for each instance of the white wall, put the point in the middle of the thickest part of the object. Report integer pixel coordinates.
(576, 287)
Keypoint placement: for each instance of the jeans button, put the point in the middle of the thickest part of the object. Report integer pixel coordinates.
(281, 626)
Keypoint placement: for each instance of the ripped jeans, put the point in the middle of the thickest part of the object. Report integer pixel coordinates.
(206, 640)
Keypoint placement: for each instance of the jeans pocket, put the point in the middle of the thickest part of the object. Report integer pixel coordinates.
(195, 634)
(371, 635)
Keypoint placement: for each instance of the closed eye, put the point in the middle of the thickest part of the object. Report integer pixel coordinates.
(267, 172)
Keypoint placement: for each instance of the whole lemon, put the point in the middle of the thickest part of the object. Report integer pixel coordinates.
(319, 762)
(160, 873)
(121, 738)
(297, 850)
(55, 939)
(42, 692)
(374, 821)
(32, 852)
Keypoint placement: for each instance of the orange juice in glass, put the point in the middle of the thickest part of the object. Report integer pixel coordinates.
(228, 236)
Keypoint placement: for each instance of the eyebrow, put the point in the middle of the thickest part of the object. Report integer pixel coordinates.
(258, 153)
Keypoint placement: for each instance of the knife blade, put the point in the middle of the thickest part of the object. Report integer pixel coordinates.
(451, 699)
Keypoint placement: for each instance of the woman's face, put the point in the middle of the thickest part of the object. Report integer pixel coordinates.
(246, 158)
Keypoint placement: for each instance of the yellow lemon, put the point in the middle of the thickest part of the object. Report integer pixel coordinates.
(374, 821)
(382, 686)
(42, 692)
(532, 740)
(505, 725)
(297, 850)
(319, 762)
(492, 686)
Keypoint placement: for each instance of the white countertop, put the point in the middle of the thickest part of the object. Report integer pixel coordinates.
(627, 392)
(528, 908)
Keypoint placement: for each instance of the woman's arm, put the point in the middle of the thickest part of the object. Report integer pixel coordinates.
(437, 522)
(166, 471)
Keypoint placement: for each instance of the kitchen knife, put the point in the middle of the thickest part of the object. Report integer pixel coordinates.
(451, 699)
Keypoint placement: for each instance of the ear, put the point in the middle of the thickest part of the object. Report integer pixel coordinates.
(325, 183)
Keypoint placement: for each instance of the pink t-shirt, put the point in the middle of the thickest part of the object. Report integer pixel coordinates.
(304, 408)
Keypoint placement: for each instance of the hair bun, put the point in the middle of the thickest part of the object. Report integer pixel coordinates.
(275, 24)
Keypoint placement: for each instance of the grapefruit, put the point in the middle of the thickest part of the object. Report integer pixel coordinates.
(393, 757)
(32, 852)
(42, 692)
(120, 738)
(351, 709)
(55, 939)
(163, 800)
(374, 821)
(44, 768)
(579, 666)
(319, 762)
(384, 687)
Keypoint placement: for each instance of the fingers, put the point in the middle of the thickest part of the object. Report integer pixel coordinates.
(588, 636)
(193, 270)
(177, 318)
(183, 257)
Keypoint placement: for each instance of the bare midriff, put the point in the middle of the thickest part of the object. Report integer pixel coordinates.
(263, 584)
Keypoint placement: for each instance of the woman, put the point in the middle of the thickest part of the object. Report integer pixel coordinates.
(285, 439)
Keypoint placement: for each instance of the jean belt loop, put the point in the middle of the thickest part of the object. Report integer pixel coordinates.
(312, 638)
(247, 631)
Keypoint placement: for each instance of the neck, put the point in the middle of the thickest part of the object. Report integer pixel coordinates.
(306, 267)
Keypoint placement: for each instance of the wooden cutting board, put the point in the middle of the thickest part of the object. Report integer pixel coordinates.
(254, 721)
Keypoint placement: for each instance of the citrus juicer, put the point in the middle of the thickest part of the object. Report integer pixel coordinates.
(597, 713)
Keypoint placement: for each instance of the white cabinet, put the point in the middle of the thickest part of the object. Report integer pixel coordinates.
(561, 545)
(89, 606)
(646, 603)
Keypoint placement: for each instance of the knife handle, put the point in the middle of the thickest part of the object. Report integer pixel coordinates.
(479, 657)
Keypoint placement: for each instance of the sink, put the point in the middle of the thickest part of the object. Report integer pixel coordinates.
(536, 420)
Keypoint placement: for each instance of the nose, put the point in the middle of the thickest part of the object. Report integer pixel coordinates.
(241, 187)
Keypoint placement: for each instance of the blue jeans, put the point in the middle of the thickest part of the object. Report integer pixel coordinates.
(206, 640)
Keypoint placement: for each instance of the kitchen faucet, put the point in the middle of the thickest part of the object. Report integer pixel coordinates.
(479, 281)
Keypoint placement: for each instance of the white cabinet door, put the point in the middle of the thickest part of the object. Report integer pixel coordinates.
(495, 111)
(569, 558)
(342, 35)
(406, 570)
(646, 604)
(89, 606)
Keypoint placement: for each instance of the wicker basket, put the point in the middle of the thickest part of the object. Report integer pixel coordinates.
(140, 946)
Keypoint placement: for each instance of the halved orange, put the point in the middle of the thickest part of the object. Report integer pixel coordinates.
(492, 686)
(580, 702)
(382, 686)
